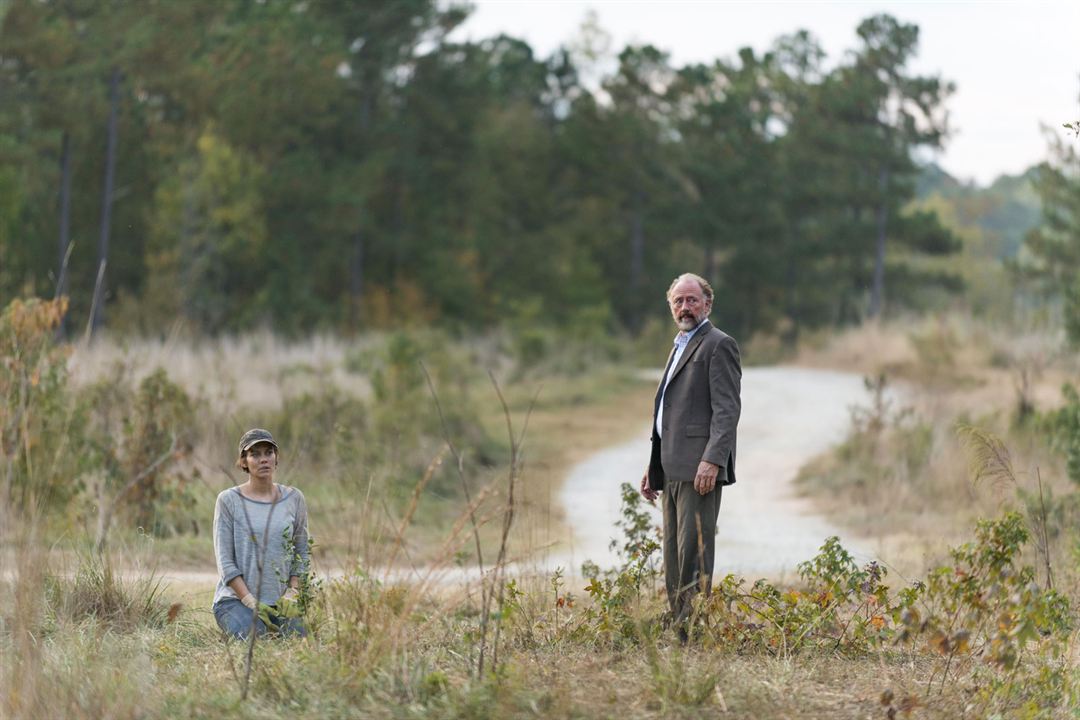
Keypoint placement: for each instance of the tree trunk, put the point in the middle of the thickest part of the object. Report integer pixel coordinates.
(104, 518)
(365, 119)
(189, 253)
(877, 288)
(356, 278)
(637, 259)
(98, 304)
(65, 226)
(708, 268)
(790, 334)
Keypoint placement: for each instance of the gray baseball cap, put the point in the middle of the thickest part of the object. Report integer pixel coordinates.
(254, 437)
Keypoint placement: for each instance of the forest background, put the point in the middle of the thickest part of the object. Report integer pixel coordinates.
(343, 166)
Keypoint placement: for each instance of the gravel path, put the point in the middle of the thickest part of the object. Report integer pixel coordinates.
(789, 415)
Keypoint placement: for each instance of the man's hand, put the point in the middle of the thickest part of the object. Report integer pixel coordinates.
(705, 480)
(647, 492)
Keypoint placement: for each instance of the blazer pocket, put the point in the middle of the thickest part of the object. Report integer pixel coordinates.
(697, 431)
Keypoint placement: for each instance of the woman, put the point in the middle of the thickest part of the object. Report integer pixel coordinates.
(261, 545)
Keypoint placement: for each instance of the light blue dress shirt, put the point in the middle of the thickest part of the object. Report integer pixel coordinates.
(681, 341)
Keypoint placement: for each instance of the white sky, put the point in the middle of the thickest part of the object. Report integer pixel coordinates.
(1016, 65)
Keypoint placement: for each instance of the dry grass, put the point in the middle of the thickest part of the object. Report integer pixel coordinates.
(259, 370)
(970, 365)
(908, 484)
(242, 381)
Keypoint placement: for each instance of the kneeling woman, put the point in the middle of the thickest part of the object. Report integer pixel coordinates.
(259, 521)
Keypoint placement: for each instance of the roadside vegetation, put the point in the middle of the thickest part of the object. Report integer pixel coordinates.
(973, 631)
(940, 392)
(977, 637)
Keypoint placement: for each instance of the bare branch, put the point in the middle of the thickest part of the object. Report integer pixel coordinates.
(460, 463)
(508, 517)
(414, 501)
(105, 519)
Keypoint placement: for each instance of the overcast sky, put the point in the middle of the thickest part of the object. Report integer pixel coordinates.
(1016, 65)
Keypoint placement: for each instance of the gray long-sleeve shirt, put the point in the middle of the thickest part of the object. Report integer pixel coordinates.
(239, 529)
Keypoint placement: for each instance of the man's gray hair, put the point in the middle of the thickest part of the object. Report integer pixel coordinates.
(706, 288)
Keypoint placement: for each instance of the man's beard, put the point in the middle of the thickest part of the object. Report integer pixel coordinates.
(686, 322)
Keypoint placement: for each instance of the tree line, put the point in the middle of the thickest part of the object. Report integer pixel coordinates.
(349, 165)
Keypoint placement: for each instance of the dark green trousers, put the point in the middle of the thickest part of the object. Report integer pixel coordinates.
(689, 543)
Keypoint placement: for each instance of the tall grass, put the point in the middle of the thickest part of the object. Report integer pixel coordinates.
(94, 590)
(384, 649)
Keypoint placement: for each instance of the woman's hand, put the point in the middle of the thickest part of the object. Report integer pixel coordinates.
(288, 605)
(249, 601)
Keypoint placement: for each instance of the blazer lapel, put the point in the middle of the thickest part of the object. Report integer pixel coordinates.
(694, 342)
(660, 387)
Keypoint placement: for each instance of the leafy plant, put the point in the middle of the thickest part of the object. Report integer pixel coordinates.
(986, 606)
(34, 411)
(616, 593)
(133, 439)
(839, 606)
(1062, 427)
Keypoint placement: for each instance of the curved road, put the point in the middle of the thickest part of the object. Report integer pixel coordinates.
(789, 415)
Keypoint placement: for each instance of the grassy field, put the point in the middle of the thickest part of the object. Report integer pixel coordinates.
(975, 632)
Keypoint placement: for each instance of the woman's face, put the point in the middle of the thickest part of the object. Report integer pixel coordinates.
(261, 459)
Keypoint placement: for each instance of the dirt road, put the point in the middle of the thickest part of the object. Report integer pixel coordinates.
(789, 415)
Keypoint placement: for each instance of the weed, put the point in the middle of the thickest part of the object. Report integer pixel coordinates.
(616, 594)
(96, 591)
(678, 686)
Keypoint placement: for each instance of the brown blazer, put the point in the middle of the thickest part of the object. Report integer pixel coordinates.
(701, 411)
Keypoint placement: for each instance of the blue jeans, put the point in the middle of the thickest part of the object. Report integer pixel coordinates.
(235, 620)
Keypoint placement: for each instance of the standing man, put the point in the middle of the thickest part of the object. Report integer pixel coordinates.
(695, 416)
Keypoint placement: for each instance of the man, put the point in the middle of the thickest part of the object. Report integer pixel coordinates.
(695, 416)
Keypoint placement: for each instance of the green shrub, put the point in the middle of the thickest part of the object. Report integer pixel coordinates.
(1062, 429)
(132, 442)
(616, 595)
(839, 606)
(36, 462)
(986, 616)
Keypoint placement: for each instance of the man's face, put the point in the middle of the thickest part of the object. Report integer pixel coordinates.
(689, 305)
